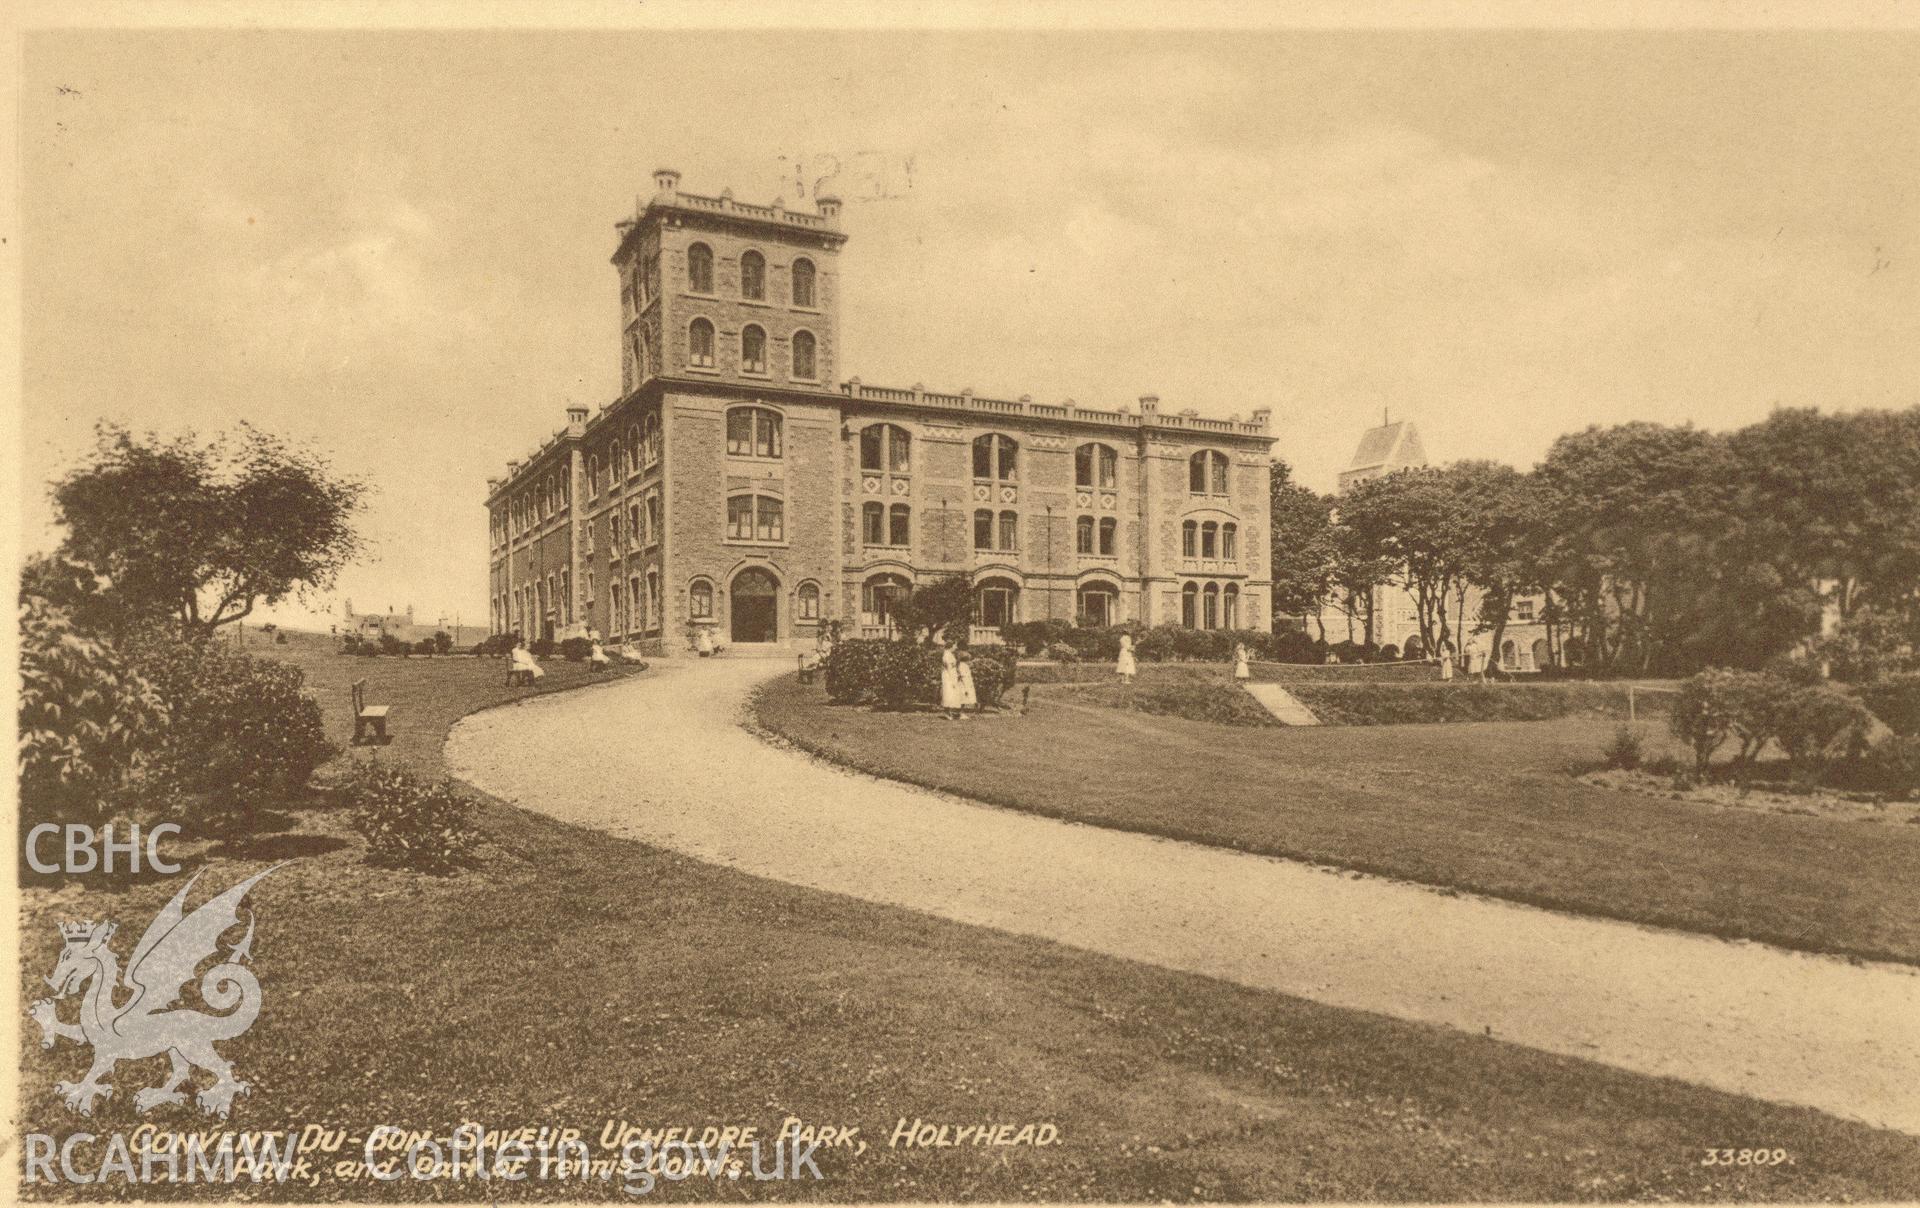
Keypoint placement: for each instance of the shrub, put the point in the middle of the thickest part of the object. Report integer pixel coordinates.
(412, 823)
(1892, 768)
(994, 671)
(442, 642)
(389, 644)
(904, 672)
(243, 729)
(425, 646)
(87, 717)
(1701, 716)
(1818, 725)
(1390, 653)
(1626, 750)
(576, 650)
(850, 668)
(1032, 637)
(497, 645)
(1895, 700)
(898, 674)
(1063, 652)
(541, 648)
(1293, 646)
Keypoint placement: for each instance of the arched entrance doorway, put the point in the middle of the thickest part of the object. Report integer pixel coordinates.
(755, 612)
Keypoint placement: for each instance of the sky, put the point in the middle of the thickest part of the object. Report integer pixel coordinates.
(393, 246)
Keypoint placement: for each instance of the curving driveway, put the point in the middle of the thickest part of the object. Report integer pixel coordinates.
(662, 759)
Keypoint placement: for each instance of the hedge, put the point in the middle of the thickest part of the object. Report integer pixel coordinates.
(900, 674)
(1412, 704)
(1175, 643)
(1219, 702)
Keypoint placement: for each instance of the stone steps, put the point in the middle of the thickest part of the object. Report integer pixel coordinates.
(1282, 704)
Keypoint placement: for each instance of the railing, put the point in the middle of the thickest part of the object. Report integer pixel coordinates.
(727, 205)
(920, 397)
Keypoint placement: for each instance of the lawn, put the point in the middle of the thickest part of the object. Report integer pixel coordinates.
(1484, 806)
(574, 979)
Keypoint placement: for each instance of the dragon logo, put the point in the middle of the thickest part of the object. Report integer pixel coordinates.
(162, 965)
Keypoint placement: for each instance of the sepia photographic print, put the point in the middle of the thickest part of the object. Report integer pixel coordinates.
(965, 603)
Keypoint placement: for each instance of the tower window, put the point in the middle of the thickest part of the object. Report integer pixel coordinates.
(872, 523)
(1230, 541)
(1209, 540)
(1190, 539)
(1095, 465)
(700, 343)
(753, 276)
(808, 599)
(886, 447)
(1009, 531)
(1207, 473)
(803, 356)
(803, 282)
(1083, 535)
(996, 457)
(700, 268)
(1109, 530)
(983, 529)
(755, 518)
(700, 599)
(753, 349)
(899, 525)
(753, 432)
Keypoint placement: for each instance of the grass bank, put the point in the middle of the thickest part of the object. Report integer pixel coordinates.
(1482, 806)
(574, 979)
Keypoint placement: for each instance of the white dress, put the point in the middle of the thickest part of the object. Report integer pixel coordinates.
(965, 671)
(523, 660)
(950, 696)
(703, 640)
(598, 656)
(1240, 668)
(1124, 665)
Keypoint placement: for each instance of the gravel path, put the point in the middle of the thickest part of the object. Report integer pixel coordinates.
(662, 760)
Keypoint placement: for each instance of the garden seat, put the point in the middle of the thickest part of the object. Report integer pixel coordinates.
(369, 721)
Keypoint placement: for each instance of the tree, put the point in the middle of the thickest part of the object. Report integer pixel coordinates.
(1412, 520)
(1836, 499)
(1634, 513)
(1304, 555)
(202, 533)
(1499, 517)
(933, 610)
(87, 717)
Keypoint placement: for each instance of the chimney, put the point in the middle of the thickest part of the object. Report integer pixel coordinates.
(666, 182)
(1261, 415)
(829, 207)
(576, 420)
(1149, 407)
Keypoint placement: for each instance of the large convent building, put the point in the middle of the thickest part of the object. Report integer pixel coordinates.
(737, 484)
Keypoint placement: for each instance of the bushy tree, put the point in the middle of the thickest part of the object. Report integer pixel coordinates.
(1303, 554)
(1835, 498)
(243, 731)
(935, 610)
(87, 717)
(202, 533)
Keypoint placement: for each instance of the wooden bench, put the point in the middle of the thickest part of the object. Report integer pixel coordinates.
(369, 721)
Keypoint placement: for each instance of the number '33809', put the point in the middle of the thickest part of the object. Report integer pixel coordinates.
(1746, 1157)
